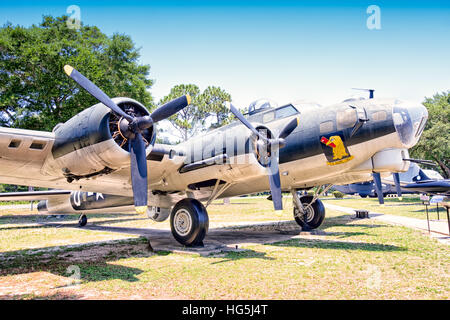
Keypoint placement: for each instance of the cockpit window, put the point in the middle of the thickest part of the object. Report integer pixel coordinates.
(261, 105)
(326, 126)
(269, 116)
(279, 113)
(346, 118)
(286, 111)
(379, 115)
(423, 121)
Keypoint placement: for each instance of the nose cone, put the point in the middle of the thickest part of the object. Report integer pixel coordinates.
(409, 121)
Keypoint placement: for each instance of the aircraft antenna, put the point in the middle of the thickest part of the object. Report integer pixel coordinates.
(371, 91)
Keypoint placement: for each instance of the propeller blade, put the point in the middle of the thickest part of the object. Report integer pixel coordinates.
(287, 130)
(396, 177)
(139, 173)
(244, 121)
(275, 185)
(378, 187)
(95, 91)
(170, 108)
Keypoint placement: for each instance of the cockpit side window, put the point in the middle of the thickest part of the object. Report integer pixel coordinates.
(269, 116)
(346, 118)
(379, 115)
(326, 126)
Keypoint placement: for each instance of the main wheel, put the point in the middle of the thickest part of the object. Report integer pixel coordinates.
(189, 222)
(314, 215)
(82, 220)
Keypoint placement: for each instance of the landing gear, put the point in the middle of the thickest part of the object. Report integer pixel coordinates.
(82, 220)
(312, 215)
(189, 222)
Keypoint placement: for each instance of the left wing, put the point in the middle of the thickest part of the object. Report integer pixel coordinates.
(33, 195)
(26, 156)
(22, 155)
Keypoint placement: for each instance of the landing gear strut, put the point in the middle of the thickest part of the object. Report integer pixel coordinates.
(82, 220)
(189, 222)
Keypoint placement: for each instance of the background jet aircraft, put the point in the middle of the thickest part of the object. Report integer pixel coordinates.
(110, 149)
(415, 180)
(365, 189)
(418, 180)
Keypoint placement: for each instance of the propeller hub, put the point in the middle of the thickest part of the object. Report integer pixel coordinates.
(142, 123)
(262, 146)
(124, 128)
(121, 128)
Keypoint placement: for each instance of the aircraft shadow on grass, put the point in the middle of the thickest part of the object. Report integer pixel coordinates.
(45, 221)
(97, 265)
(102, 267)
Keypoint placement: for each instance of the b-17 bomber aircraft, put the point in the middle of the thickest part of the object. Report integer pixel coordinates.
(105, 158)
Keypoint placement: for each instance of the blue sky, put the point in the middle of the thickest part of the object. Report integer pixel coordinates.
(282, 50)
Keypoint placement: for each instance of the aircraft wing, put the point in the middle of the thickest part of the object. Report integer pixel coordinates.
(25, 155)
(33, 195)
(23, 149)
(22, 156)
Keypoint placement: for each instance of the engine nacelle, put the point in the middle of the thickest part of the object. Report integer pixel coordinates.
(90, 143)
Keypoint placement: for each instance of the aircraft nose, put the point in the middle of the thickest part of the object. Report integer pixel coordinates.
(409, 121)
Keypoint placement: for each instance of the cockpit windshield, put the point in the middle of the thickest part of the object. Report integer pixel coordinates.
(260, 105)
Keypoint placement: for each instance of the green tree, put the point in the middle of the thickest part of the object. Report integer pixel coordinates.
(212, 103)
(206, 110)
(434, 143)
(35, 93)
(187, 121)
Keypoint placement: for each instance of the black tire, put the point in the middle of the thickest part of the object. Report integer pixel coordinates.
(189, 222)
(363, 195)
(82, 220)
(314, 216)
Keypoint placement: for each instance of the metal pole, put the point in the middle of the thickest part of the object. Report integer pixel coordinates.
(31, 202)
(448, 221)
(428, 220)
(437, 209)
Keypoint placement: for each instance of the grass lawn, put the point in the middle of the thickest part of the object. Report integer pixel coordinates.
(353, 259)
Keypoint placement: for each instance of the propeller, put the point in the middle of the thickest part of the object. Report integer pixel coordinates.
(132, 127)
(268, 152)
